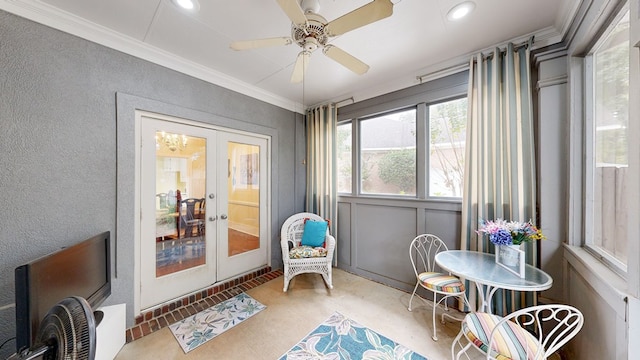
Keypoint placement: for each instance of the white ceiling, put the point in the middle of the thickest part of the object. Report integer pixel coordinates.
(416, 40)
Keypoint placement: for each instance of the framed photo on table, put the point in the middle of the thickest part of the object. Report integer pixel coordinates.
(511, 258)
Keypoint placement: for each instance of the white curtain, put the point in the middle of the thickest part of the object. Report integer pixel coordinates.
(500, 157)
(321, 127)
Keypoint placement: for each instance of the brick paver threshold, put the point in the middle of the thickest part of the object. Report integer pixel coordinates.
(167, 314)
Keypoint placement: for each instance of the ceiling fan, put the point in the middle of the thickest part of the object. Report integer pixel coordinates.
(311, 31)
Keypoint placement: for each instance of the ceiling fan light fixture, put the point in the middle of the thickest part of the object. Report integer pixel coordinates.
(310, 44)
(188, 5)
(461, 10)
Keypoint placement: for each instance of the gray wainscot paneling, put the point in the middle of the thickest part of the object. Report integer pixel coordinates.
(382, 240)
(343, 238)
(605, 311)
(377, 232)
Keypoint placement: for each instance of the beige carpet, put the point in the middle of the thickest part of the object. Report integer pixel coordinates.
(291, 316)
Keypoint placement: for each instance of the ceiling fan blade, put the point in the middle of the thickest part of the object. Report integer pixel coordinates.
(293, 10)
(372, 12)
(260, 43)
(345, 59)
(300, 67)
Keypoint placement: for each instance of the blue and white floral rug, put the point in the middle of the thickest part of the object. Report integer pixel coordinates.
(342, 338)
(207, 324)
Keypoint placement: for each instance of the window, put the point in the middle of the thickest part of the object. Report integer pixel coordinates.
(388, 154)
(447, 135)
(607, 148)
(414, 152)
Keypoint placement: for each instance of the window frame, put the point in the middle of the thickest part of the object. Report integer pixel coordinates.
(588, 242)
(422, 145)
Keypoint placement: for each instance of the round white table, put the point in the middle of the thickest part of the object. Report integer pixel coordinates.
(481, 268)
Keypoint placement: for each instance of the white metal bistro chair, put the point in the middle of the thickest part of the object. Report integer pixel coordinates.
(298, 259)
(532, 333)
(422, 252)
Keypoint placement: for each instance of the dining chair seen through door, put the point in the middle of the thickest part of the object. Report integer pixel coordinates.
(189, 220)
(422, 252)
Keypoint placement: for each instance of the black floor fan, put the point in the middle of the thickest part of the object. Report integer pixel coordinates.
(68, 331)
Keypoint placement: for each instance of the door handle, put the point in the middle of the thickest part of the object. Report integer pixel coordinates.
(223, 217)
(213, 218)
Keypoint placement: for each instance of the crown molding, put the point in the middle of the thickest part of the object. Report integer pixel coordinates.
(55, 18)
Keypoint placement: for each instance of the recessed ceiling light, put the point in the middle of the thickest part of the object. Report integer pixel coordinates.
(461, 10)
(189, 5)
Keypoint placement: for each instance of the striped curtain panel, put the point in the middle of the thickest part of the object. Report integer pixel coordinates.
(500, 177)
(321, 195)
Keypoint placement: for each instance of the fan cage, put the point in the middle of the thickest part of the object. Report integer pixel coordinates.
(69, 330)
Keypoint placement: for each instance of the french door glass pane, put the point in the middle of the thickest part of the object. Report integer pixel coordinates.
(244, 198)
(180, 202)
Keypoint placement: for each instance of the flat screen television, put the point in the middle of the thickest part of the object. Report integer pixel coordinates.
(83, 269)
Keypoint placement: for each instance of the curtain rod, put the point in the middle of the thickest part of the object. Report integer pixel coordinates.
(334, 103)
(516, 47)
(343, 100)
(461, 67)
(444, 72)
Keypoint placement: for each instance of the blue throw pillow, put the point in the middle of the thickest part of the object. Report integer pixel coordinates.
(314, 233)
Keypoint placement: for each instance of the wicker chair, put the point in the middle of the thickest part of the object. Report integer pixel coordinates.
(290, 237)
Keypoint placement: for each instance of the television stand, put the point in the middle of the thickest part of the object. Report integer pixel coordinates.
(110, 331)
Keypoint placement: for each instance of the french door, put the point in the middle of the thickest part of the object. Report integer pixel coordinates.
(203, 207)
(243, 233)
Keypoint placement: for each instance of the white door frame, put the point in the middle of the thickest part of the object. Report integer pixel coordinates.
(137, 206)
